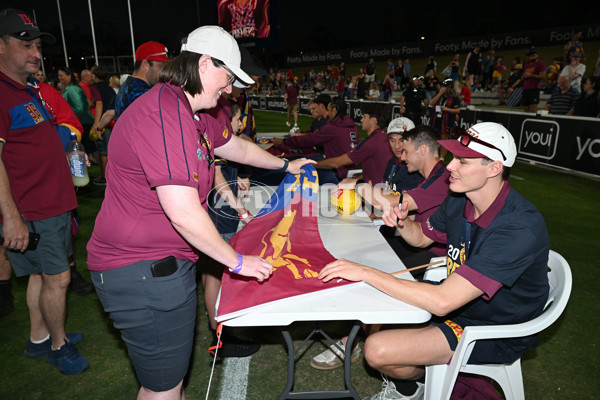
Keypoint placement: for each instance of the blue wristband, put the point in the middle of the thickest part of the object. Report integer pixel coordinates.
(238, 267)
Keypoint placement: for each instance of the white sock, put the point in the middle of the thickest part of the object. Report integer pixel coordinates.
(41, 341)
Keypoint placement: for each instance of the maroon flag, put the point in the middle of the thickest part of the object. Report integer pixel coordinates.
(285, 233)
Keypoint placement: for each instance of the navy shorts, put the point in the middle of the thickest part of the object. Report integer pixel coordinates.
(51, 256)
(485, 351)
(156, 318)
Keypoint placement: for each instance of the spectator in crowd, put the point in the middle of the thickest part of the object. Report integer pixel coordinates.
(226, 210)
(454, 67)
(102, 96)
(399, 74)
(563, 98)
(374, 93)
(370, 70)
(414, 100)
(588, 103)
(511, 90)
(291, 98)
(406, 78)
(534, 71)
(464, 93)
(362, 86)
(115, 83)
(498, 72)
(488, 61)
(341, 87)
(248, 123)
(473, 68)
(40, 76)
(431, 64)
(573, 46)
(343, 70)
(36, 194)
(446, 107)
(552, 72)
(387, 85)
(351, 87)
(75, 96)
(575, 71)
(597, 66)
(431, 83)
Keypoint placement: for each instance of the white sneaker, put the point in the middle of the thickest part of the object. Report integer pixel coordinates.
(389, 392)
(333, 357)
(287, 123)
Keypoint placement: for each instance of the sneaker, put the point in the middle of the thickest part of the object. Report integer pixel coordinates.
(100, 181)
(388, 391)
(33, 350)
(333, 357)
(78, 285)
(68, 360)
(232, 346)
(287, 123)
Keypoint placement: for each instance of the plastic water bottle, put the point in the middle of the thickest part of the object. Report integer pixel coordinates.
(76, 156)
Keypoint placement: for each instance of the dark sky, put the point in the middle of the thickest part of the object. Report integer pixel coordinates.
(304, 25)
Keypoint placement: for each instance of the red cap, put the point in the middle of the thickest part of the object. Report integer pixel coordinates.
(152, 51)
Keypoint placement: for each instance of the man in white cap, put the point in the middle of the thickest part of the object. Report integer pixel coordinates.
(497, 257)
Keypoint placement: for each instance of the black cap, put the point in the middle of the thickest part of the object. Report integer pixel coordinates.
(532, 50)
(418, 76)
(248, 64)
(20, 25)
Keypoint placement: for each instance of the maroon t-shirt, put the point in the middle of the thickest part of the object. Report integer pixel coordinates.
(374, 153)
(157, 141)
(33, 155)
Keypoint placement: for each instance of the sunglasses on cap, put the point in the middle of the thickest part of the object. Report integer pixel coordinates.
(465, 139)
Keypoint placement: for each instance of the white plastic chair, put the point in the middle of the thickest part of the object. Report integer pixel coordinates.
(440, 379)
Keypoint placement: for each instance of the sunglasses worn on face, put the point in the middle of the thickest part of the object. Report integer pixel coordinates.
(466, 139)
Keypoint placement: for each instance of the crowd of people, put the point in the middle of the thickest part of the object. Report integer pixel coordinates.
(517, 84)
(181, 131)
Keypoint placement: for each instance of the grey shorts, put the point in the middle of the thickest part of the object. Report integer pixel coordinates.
(52, 254)
(102, 145)
(156, 318)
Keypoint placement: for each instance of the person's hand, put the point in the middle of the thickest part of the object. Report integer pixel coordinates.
(344, 269)
(15, 234)
(394, 216)
(348, 183)
(443, 89)
(295, 167)
(256, 267)
(243, 185)
(277, 141)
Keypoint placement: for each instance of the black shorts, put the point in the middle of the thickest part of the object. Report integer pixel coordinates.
(530, 97)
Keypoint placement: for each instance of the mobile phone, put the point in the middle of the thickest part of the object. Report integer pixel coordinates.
(164, 267)
(34, 240)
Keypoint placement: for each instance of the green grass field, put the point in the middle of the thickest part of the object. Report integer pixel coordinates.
(565, 366)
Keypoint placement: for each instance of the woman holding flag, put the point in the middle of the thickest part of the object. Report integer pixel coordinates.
(153, 220)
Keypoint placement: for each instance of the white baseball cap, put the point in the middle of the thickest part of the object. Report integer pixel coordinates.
(217, 43)
(400, 125)
(486, 139)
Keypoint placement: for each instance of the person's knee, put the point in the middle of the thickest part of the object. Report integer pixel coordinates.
(375, 351)
(58, 281)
